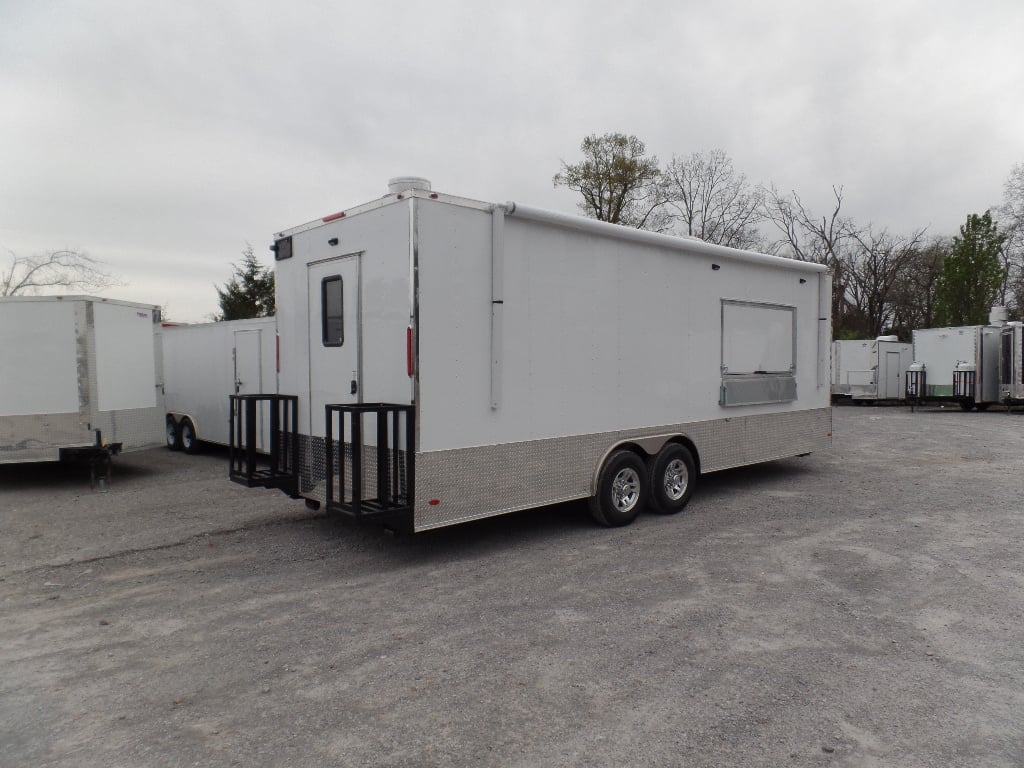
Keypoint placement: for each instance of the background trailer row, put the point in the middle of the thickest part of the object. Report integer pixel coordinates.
(445, 359)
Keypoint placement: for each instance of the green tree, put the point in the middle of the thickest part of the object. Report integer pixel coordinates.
(249, 292)
(972, 273)
(617, 180)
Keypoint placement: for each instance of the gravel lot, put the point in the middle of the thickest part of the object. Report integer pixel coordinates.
(860, 607)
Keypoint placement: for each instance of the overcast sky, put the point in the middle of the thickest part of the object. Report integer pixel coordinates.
(161, 137)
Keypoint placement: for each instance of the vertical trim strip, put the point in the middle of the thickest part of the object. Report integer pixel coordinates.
(497, 299)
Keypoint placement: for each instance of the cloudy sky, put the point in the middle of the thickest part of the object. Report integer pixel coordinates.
(163, 137)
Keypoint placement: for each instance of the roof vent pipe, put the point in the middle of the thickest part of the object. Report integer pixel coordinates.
(997, 316)
(403, 183)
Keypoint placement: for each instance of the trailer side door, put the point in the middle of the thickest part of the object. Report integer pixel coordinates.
(889, 375)
(248, 377)
(334, 334)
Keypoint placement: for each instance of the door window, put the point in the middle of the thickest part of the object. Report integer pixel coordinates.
(332, 311)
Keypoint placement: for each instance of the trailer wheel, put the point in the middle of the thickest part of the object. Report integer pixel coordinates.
(673, 476)
(187, 436)
(621, 490)
(173, 438)
(966, 405)
(983, 406)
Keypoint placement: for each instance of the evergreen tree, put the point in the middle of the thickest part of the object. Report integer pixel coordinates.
(972, 273)
(249, 292)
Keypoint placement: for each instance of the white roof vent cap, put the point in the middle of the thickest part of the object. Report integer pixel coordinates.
(997, 316)
(888, 338)
(403, 183)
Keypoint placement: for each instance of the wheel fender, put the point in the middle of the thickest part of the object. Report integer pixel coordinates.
(195, 423)
(642, 446)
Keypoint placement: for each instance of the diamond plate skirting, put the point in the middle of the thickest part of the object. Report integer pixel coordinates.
(312, 468)
(473, 483)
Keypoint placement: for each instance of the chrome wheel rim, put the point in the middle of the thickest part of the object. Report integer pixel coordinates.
(186, 436)
(172, 434)
(677, 477)
(626, 489)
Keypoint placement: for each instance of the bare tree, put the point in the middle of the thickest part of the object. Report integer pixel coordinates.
(618, 181)
(708, 199)
(65, 270)
(875, 266)
(1010, 216)
(806, 237)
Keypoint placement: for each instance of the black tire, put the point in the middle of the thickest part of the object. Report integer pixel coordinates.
(673, 477)
(983, 406)
(622, 490)
(966, 405)
(187, 436)
(172, 436)
(312, 504)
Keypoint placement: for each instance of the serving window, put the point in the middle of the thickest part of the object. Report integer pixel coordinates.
(758, 353)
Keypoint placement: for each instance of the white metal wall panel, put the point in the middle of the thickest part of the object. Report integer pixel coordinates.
(940, 349)
(599, 334)
(125, 357)
(40, 370)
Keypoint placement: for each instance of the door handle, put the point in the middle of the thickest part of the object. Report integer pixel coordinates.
(355, 387)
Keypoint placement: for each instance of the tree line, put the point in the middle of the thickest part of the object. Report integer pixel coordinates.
(883, 282)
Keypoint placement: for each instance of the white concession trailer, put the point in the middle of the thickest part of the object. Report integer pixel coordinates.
(958, 364)
(79, 378)
(445, 359)
(867, 370)
(203, 364)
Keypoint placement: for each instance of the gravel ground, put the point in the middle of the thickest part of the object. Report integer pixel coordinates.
(858, 607)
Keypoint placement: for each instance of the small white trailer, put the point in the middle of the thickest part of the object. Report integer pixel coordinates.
(1011, 364)
(79, 378)
(866, 370)
(444, 359)
(959, 364)
(203, 364)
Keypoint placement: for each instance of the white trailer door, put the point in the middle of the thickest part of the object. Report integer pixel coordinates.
(249, 379)
(889, 375)
(335, 336)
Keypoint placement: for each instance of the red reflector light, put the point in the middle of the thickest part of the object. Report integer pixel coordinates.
(434, 502)
(410, 356)
(334, 216)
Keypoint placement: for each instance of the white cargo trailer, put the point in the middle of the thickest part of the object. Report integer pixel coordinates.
(866, 370)
(203, 364)
(444, 359)
(1011, 364)
(79, 378)
(959, 364)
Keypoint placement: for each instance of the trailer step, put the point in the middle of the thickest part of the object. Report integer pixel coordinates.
(370, 473)
(247, 465)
